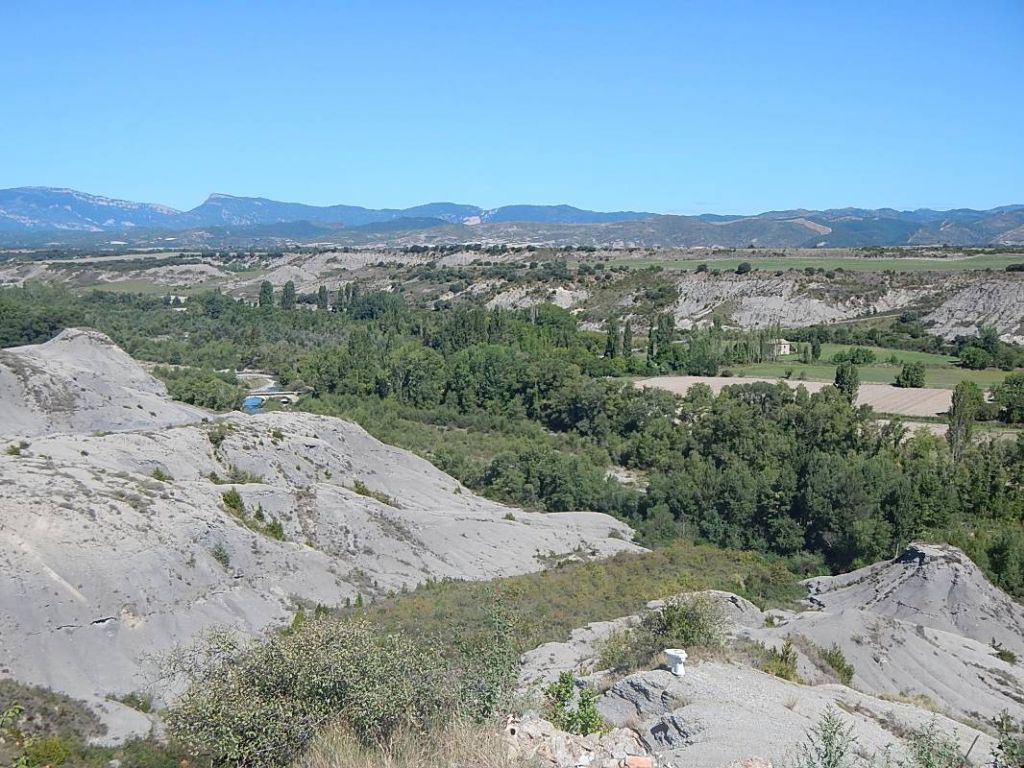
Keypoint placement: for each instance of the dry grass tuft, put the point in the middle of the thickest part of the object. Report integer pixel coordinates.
(461, 745)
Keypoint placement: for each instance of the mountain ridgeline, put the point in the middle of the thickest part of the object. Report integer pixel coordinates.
(47, 208)
(30, 215)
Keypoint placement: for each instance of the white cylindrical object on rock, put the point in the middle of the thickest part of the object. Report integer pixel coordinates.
(676, 657)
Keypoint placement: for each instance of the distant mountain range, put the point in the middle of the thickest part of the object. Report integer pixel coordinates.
(48, 208)
(34, 215)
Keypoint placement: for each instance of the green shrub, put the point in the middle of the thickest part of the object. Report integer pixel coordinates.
(781, 662)
(274, 530)
(9, 715)
(364, 490)
(234, 504)
(835, 658)
(241, 476)
(233, 501)
(39, 712)
(695, 621)
(686, 622)
(829, 744)
(51, 751)
(911, 375)
(1003, 653)
(161, 475)
(930, 748)
(13, 450)
(217, 433)
(137, 701)
(220, 554)
(571, 709)
(258, 703)
(855, 355)
(975, 358)
(203, 387)
(1009, 751)
(626, 650)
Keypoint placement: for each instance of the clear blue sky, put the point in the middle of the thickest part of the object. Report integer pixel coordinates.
(682, 107)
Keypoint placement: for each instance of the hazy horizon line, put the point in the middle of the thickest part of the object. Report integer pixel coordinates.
(692, 212)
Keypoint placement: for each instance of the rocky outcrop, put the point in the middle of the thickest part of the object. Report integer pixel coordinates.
(540, 743)
(957, 303)
(579, 652)
(922, 632)
(721, 713)
(928, 585)
(998, 302)
(924, 626)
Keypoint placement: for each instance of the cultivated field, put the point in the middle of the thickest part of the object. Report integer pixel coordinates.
(997, 261)
(940, 377)
(882, 397)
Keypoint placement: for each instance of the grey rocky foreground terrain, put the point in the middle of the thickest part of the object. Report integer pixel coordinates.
(919, 631)
(117, 544)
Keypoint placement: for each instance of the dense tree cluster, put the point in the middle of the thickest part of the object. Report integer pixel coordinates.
(525, 407)
(909, 331)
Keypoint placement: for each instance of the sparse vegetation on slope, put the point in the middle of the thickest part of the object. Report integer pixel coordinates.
(694, 621)
(549, 604)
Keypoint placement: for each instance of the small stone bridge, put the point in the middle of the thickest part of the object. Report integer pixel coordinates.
(284, 398)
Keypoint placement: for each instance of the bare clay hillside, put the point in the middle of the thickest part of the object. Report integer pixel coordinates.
(921, 632)
(119, 545)
(81, 381)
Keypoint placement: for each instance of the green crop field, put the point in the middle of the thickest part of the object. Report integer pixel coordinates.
(998, 261)
(884, 353)
(941, 377)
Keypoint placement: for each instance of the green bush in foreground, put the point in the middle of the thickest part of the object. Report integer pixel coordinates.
(259, 703)
(39, 727)
(829, 744)
(930, 748)
(572, 709)
(1009, 752)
